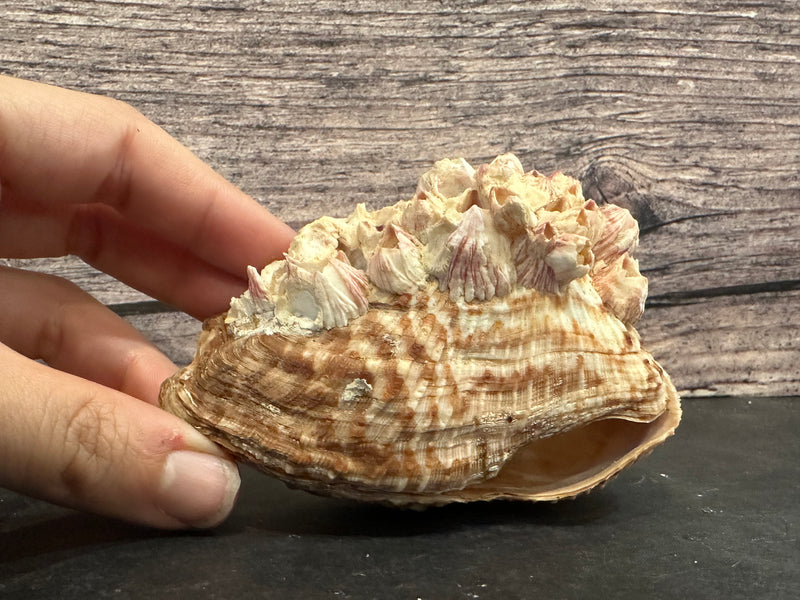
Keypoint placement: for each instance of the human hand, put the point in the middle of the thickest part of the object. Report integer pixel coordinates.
(90, 176)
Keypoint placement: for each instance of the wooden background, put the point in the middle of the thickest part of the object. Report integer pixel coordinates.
(687, 112)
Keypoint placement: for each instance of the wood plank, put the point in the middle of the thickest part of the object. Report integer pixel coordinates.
(686, 112)
(728, 345)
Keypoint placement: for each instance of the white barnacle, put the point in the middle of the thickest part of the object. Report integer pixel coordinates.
(447, 178)
(354, 391)
(570, 258)
(619, 234)
(253, 310)
(479, 265)
(396, 265)
(622, 288)
(548, 260)
(340, 292)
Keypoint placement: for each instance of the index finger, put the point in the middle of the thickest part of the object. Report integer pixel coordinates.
(60, 147)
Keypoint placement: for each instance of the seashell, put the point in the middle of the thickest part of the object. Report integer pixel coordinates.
(471, 343)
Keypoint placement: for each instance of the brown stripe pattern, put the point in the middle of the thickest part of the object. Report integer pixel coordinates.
(426, 400)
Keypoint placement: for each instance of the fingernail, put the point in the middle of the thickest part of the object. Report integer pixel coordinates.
(194, 440)
(198, 489)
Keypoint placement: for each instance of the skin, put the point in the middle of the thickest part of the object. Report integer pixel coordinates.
(90, 176)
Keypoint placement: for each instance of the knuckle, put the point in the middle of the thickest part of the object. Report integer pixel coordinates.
(134, 362)
(50, 337)
(50, 334)
(122, 108)
(115, 188)
(84, 237)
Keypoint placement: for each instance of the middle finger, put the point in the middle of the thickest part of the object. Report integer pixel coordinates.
(104, 239)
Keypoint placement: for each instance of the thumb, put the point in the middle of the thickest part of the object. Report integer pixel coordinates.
(80, 444)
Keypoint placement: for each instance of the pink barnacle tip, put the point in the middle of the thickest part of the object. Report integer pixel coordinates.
(254, 284)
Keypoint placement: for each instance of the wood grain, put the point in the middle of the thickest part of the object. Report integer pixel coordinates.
(686, 112)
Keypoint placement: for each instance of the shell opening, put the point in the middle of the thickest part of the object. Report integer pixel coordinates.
(575, 461)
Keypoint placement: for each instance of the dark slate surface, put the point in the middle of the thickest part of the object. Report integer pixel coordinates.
(711, 514)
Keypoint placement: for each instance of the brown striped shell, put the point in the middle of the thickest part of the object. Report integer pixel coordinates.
(474, 342)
